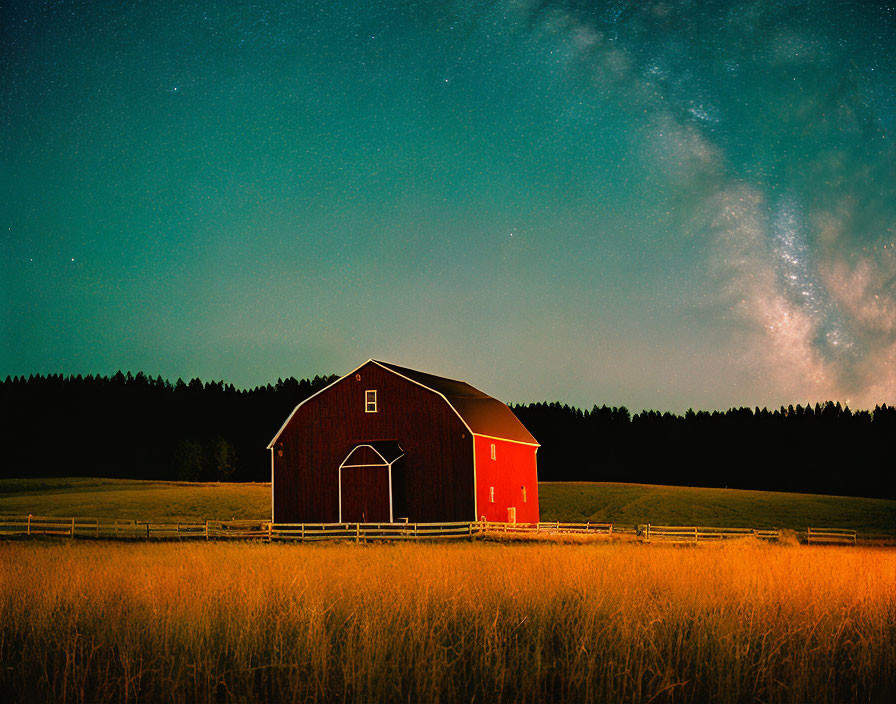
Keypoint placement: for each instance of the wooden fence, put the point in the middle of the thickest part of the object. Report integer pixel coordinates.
(134, 529)
(830, 536)
(694, 534)
(128, 529)
(551, 528)
(216, 530)
(370, 531)
(116, 528)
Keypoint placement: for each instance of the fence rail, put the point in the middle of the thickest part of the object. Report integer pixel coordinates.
(122, 529)
(552, 527)
(694, 534)
(830, 536)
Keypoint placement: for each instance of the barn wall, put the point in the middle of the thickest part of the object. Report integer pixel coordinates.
(513, 468)
(437, 467)
(365, 494)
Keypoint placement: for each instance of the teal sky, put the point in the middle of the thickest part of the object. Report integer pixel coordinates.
(656, 204)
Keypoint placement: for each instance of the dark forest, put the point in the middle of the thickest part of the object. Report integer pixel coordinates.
(139, 427)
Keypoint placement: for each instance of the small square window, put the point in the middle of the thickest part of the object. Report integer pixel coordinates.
(370, 401)
(491, 494)
(494, 454)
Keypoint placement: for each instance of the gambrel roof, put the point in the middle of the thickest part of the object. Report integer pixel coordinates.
(482, 414)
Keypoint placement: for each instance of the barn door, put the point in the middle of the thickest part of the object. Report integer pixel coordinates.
(364, 494)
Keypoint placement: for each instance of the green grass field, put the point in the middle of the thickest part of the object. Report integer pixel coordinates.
(560, 501)
(126, 498)
(688, 506)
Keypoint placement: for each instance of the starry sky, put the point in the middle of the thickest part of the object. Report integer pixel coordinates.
(658, 204)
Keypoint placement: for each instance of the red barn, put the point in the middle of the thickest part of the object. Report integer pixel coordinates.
(389, 444)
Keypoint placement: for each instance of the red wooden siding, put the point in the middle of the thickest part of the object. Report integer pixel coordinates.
(365, 494)
(512, 469)
(432, 482)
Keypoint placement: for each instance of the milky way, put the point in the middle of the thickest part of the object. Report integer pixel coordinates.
(792, 257)
(702, 195)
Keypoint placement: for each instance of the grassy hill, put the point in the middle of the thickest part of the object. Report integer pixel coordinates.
(688, 506)
(131, 498)
(560, 501)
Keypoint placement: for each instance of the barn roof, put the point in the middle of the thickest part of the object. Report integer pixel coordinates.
(483, 414)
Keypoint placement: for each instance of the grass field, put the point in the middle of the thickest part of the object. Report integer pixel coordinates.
(688, 506)
(485, 622)
(566, 501)
(125, 498)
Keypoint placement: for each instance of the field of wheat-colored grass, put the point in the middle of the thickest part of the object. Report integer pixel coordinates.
(611, 622)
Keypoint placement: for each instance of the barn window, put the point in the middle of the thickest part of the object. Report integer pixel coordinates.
(491, 494)
(370, 401)
(494, 454)
(524, 493)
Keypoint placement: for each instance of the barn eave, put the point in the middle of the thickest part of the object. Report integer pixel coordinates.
(496, 437)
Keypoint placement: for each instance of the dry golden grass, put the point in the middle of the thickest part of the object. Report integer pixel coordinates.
(484, 622)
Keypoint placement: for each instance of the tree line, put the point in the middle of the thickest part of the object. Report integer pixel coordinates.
(826, 448)
(140, 427)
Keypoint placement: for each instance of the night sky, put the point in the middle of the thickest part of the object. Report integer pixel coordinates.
(656, 204)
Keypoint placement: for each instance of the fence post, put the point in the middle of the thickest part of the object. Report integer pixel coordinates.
(695, 535)
(269, 532)
(29, 524)
(610, 529)
(648, 533)
(357, 532)
(206, 529)
(73, 528)
(147, 530)
(303, 532)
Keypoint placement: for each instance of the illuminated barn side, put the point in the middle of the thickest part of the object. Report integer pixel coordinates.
(388, 444)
